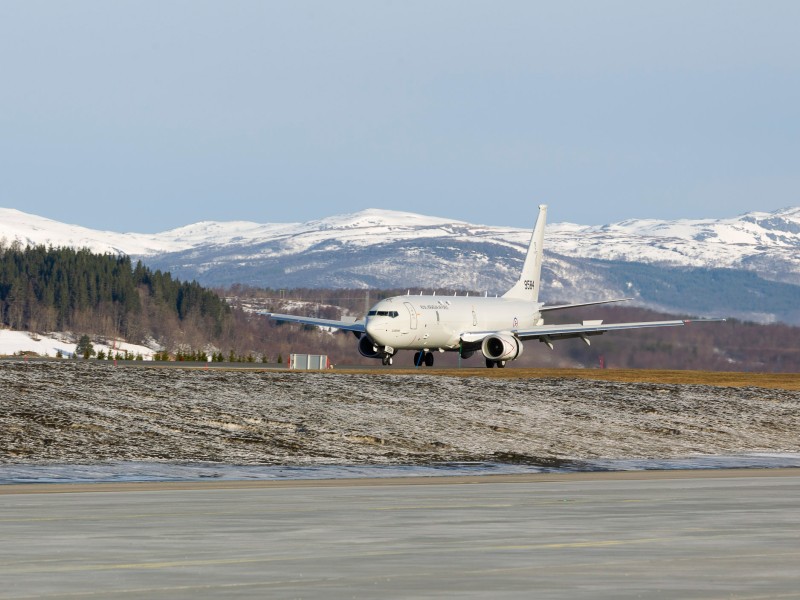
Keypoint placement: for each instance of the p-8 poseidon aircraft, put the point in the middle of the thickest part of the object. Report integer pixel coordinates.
(467, 324)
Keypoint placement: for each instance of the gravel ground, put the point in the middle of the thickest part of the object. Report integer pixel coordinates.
(73, 411)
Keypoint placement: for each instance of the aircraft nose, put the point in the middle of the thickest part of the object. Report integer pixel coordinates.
(376, 330)
(372, 329)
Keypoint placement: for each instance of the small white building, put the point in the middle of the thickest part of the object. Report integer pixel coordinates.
(309, 362)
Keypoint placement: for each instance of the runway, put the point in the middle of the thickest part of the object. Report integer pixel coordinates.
(680, 534)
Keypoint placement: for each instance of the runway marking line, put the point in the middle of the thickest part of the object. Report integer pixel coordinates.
(439, 506)
(470, 548)
(267, 559)
(205, 513)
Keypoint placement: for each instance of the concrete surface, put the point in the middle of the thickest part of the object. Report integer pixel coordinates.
(656, 535)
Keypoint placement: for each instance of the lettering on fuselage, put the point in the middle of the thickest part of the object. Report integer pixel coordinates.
(434, 307)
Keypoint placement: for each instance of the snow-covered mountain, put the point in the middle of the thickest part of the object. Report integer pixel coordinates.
(768, 243)
(662, 263)
(29, 230)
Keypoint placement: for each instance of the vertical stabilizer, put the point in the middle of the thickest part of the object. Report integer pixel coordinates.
(527, 288)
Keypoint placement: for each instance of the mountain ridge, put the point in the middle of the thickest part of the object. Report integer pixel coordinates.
(757, 230)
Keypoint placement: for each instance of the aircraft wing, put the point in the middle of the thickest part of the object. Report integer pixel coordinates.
(357, 326)
(547, 333)
(563, 306)
(587, 328)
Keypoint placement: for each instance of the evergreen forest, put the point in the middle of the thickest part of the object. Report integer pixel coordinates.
(45, 289)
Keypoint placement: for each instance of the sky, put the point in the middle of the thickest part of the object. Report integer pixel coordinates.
(146, 115)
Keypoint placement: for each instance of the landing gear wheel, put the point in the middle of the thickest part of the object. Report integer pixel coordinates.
(387, 360)
(429, 359)
(489, 363)
(417, 360)
(501, 364)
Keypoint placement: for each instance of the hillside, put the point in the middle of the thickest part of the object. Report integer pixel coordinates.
(62, 289)
(245, 335)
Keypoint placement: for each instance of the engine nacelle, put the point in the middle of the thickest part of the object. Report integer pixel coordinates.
(366, 347)
(501, 347)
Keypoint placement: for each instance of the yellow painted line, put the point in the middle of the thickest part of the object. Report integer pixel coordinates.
(107, 593)
(188, 515)
(587, 544)
(77, 568)
(437, 507)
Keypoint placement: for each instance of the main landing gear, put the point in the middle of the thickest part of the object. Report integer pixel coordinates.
(386, 360)
(501, 364)
(423, 357)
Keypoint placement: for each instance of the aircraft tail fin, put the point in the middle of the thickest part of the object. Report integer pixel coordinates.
(527, 288)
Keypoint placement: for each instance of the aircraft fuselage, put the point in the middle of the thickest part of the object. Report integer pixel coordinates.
(439, 322)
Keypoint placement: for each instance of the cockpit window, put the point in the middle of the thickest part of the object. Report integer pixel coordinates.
(383, 313)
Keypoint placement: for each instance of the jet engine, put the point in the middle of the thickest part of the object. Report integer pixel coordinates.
(368, 348)
(501, 347)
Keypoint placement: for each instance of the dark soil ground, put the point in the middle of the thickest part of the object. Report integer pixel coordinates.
(75, 411)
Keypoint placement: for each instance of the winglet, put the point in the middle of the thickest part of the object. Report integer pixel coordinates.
(708, 320)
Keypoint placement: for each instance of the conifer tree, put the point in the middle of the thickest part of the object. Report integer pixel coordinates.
(85, 348)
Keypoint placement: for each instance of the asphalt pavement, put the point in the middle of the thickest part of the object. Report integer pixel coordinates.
(709, 534)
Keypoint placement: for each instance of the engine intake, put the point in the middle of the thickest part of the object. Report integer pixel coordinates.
(501, 347)
(366, 347)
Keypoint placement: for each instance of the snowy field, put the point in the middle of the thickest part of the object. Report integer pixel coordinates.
(15, 342)
(179, 423)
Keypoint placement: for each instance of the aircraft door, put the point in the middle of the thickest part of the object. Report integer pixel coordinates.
(412, 314)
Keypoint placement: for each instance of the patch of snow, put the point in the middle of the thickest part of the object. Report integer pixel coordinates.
(13, 342)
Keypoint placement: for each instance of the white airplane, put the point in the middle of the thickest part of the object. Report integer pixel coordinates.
(466, 324)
